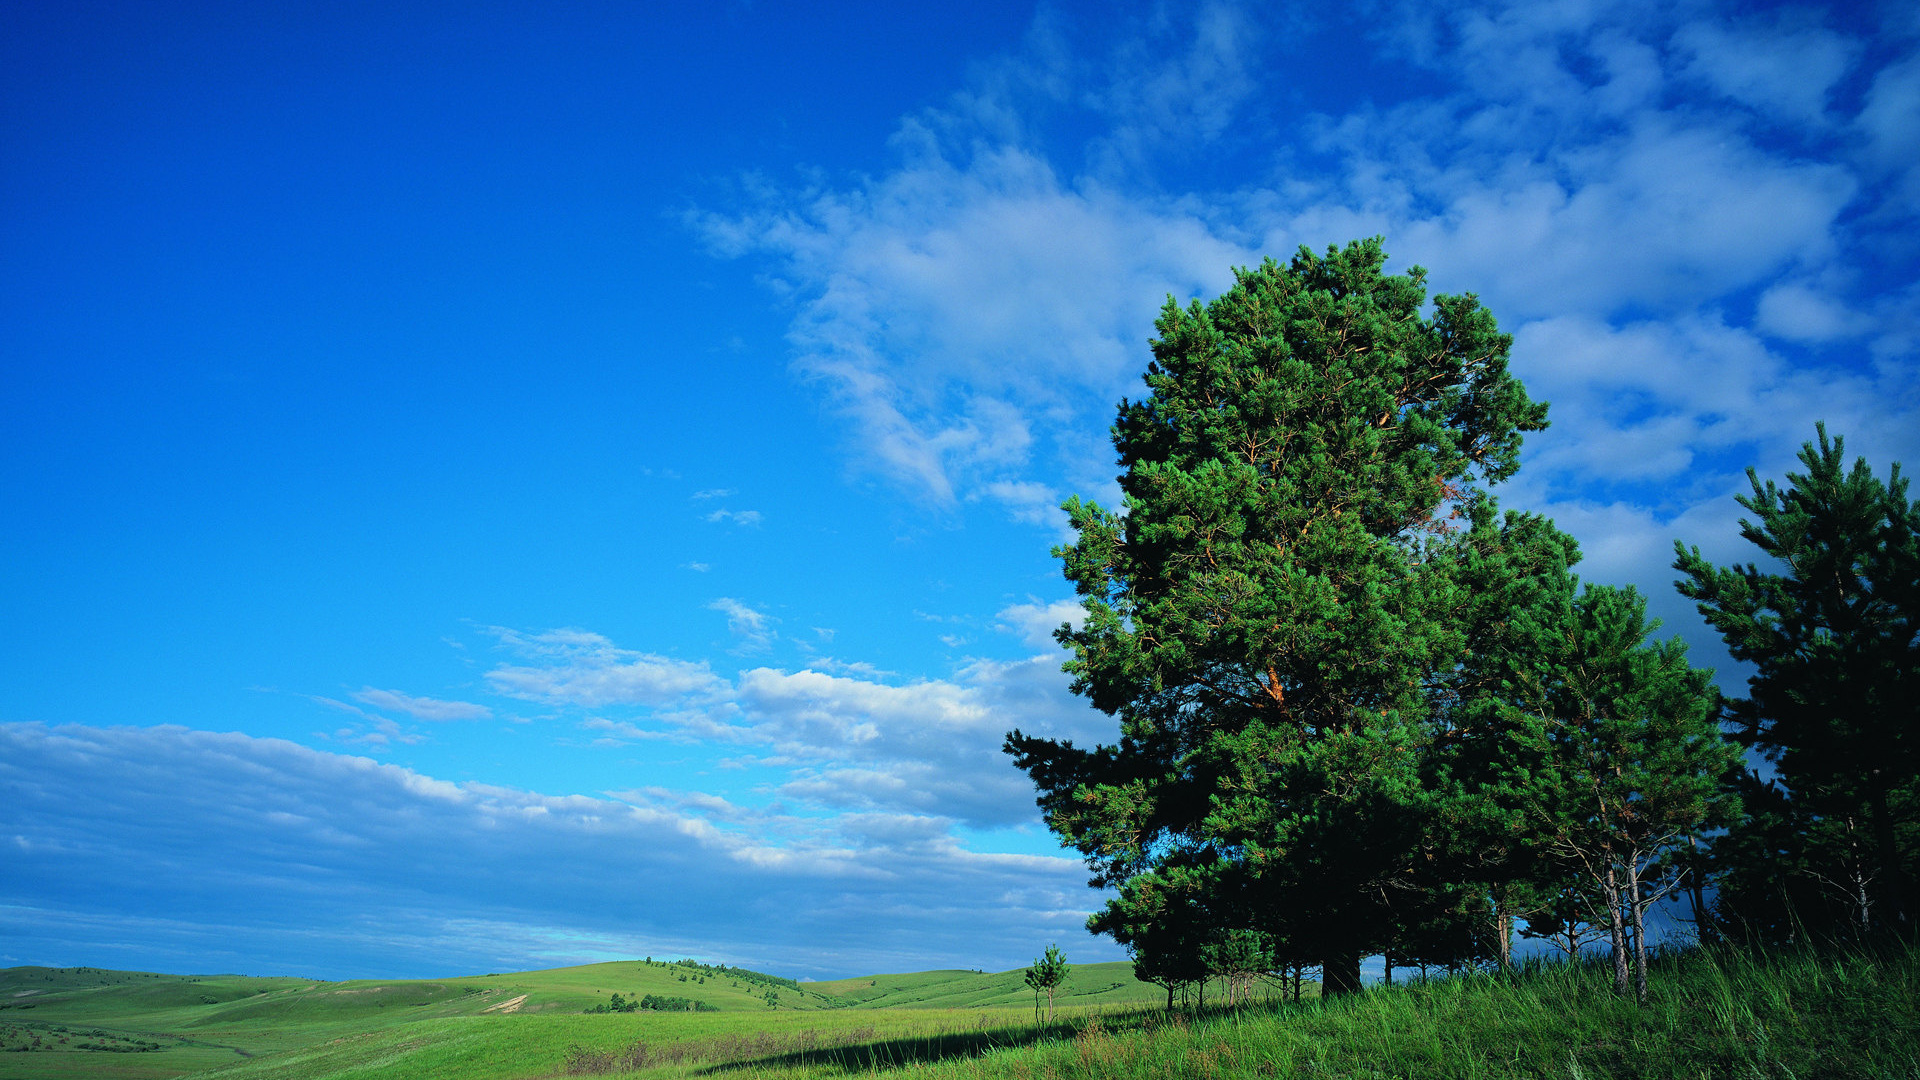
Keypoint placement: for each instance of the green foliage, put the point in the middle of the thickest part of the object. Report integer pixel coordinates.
(1047, 974)
(1635, 762)
(1271, 614)
(1834, 703)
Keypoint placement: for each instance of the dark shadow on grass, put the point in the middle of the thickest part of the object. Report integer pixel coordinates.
(893, 1053)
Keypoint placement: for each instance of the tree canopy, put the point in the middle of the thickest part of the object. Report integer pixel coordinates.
(1270, 615)
(1834, 701)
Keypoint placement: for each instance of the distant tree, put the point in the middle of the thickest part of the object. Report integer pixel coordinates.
(1239, 958)
(1269, 615)
(1834, 701)
(1048, 973)
(1569, 917)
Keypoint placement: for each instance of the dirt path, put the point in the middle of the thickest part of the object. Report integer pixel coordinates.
(507, 1006)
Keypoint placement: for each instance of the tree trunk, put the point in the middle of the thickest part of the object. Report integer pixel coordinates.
(1389, 961)
(1639, 929)
(1610, 895)
(1340, 975)
(1503, 927)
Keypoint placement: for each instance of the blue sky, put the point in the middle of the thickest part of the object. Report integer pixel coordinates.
(490, 486)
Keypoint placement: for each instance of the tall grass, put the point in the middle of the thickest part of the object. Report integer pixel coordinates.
(1722, 1013)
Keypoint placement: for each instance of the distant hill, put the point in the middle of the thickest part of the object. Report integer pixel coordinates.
(1087, 984)
(87, 1022)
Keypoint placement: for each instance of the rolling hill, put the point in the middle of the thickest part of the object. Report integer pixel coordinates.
(94, 1022)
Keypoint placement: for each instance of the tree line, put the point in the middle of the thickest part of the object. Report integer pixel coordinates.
(1363, 711)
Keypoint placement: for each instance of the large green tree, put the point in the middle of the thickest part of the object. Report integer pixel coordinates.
(1834, 702)
(1270, 614)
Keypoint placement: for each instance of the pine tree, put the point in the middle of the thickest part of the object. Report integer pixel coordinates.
(1834, 702)
(1270, 615)
(1048, 973)
(1635, 763)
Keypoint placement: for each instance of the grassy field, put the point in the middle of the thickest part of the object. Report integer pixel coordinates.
(88, 1022)
(1712, 1015)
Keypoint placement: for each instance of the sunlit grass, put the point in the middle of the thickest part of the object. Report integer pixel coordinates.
(1711, 1014)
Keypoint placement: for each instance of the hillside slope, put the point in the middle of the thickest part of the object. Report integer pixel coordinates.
(93, 1022)
(1087, 984)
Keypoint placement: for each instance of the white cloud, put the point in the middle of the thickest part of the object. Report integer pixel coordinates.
(714, 493)
(930, 747)
(753, 628)
(746, 518)
(1784, 72)
(1035, 622)
(964, 309)
(1797, 312)
(421, 708)
(586, 669)
(1889, 128)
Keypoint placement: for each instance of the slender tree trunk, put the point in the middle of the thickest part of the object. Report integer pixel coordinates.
(1340, 975)
(1503, 926)
(1610, 894)
(1389, 960)
(1639, 929)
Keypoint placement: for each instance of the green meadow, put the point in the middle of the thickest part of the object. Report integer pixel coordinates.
(88, 1022)
(1732, 1014)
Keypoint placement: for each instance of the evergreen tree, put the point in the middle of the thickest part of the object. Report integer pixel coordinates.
(1635, 763)
(1048, 973)
(1492, 745)
(1834, 702)
(1270, 615)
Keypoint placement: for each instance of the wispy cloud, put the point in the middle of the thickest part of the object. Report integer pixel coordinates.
(753, 629)
(746, 518)
(421, 708)
(581, 668)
